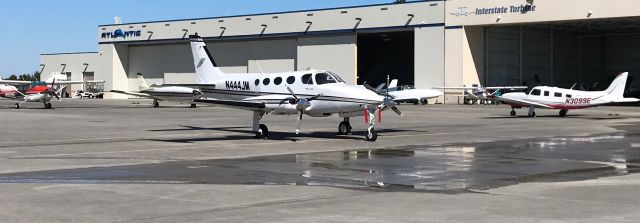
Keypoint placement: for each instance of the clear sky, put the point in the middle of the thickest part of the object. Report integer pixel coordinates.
(32, 27)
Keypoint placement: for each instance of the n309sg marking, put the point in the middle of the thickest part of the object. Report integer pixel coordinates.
(238, 85)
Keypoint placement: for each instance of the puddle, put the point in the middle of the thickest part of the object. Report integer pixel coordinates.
(448, 169)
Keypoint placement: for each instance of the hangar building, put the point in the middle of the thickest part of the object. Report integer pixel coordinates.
(424, 43)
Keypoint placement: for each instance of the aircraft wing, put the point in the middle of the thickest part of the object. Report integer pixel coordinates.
(195, 86)
(456, 88)
(507, 87)
(137, 94)
(14, 82)
(522, 102)
(244, 105)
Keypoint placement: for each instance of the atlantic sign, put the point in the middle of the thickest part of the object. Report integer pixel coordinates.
(521, 9)
(120, 33)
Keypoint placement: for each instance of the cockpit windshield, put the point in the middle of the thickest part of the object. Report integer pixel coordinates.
(325, 78)
(336, 76)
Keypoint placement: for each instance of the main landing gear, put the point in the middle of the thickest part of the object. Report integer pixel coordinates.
(47, 105)
(563, 112)
(261, 130)
(193, 105)
(156, 103)
(513, 112)
(532, 112)
(345, 127)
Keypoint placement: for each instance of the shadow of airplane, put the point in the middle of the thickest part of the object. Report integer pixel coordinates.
(247, 134)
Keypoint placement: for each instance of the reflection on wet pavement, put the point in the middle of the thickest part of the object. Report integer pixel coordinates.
(452, 168)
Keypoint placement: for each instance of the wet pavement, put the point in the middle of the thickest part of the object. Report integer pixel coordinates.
(449, 168)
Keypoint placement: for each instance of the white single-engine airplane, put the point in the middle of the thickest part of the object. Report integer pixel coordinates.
(566, 99)
(316, 93)
(406, 93)
(481, 94)
(177, 93)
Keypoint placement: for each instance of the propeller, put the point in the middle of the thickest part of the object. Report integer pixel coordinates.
(52, 91)
(300, 103)
(388, 102)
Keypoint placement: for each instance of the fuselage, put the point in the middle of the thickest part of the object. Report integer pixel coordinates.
(8, 91)
(336, 95)
(559, 98)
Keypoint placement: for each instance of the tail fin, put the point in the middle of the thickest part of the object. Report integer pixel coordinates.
(616, 89)
(207, 71)
(142, 84)
(394, 83)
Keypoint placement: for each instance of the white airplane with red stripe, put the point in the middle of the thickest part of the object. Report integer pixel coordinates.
(567, 99)
(8, 91)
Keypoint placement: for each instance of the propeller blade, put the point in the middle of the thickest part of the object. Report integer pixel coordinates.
(315, 97)
(397, 111)
(292, 94)
(367, 86)
(299, 122)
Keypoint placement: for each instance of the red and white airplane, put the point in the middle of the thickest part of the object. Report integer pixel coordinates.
(566, 99)
(8, 91)
(39, 93)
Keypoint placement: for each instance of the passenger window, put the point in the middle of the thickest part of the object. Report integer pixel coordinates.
(277, 81)
(557, 94)
(306, 79)
(323, 78)
(568, 96)
(266, 81)
(535, 92)
(291, 80)
(257, 82)
(546, 93)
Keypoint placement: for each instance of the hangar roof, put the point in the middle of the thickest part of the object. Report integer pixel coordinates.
(306, 22)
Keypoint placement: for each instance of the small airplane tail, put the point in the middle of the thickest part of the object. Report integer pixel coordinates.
(142, 84)
(207, 71)
(616, 89)
(394, 83)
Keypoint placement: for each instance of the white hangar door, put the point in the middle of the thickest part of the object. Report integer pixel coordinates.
(180, 78)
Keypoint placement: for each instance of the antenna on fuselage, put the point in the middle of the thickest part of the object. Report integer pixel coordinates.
(574, 85)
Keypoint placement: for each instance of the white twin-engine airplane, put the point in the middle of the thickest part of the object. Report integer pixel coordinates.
(565, 99)
(316, 93)
(183, 93)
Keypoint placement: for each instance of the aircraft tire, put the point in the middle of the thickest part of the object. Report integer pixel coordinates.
(563, 112)
(194, 106)
(156, 104)
(263, 133)
(344, 128)
(424, 102)
(513, 113)
(372, 136)
(17, 105)
(47, 106)
(532, 114)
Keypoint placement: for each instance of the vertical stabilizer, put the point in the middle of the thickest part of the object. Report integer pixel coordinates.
(394, 83)
(207, 71)
(142, 84)
(616, 89)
